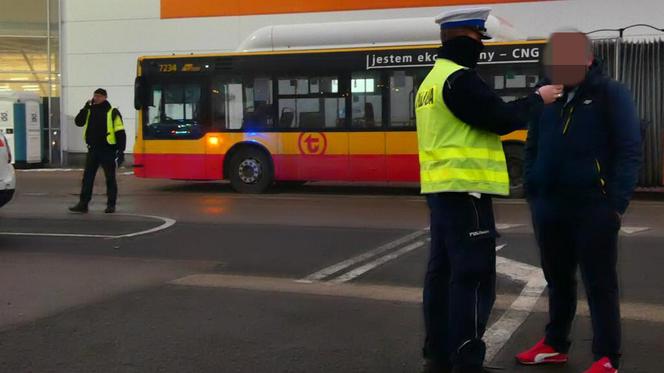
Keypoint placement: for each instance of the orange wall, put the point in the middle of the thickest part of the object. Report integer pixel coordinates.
(212, 8)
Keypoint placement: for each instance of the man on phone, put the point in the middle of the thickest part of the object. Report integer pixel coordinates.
(104, 134)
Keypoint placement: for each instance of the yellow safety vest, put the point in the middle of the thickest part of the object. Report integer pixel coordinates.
(112, 126)
(454, 156)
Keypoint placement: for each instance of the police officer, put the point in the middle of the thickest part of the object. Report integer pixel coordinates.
(104, 134)
(462, 164)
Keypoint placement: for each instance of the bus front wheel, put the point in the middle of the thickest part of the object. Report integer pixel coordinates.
(251, 171)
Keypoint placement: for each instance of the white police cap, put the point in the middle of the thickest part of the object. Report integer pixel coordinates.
(466, 17)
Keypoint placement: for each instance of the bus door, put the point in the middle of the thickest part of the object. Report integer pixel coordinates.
(312, 121)
(173, 130)
(367, 135)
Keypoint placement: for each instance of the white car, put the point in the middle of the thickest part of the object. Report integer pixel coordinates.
(7, 174)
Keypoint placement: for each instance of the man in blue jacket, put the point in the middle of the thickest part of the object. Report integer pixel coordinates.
(582, 161)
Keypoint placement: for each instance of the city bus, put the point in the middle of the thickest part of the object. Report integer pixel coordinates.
(256, 118)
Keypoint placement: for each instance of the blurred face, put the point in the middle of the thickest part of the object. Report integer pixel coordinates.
(98, 99)
(567, 58)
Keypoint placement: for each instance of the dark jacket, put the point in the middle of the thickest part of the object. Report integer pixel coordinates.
(95, 136)
(470, 99)
(597, 157)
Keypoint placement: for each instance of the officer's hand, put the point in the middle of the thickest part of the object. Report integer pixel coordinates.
(550, 93)
(87, 104)
(119, 160)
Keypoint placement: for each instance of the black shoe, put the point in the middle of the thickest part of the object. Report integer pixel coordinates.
(433, 366)
(80, 208)
(110, 209)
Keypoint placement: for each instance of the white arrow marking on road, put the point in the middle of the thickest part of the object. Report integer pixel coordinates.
(502, 330)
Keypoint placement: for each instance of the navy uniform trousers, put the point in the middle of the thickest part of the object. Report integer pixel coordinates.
(583, 235)
(460, 283)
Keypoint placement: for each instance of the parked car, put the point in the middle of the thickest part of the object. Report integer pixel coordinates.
(7, 174)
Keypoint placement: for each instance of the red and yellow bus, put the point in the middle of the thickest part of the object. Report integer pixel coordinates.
(308, 115)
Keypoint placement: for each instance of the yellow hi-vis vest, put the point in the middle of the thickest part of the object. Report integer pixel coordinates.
(454, 156)
(112, 126)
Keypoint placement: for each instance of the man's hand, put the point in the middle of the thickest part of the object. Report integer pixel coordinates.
(119, 159)
(87, 104)
(550, 93)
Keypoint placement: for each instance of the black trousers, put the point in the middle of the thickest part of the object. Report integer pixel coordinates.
(106, 158)
(583, 236)
(460, 284)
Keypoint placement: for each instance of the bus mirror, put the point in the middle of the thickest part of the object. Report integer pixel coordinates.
(139, 93)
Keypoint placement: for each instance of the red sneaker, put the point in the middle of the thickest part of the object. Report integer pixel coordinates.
(602, 366)
(541, 353)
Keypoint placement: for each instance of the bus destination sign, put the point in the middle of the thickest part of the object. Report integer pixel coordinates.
(492, 55)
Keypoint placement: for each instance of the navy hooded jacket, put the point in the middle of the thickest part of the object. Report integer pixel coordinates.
(588, 149)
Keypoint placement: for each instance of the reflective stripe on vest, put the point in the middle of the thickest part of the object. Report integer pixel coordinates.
(112, 126)
(454, 156)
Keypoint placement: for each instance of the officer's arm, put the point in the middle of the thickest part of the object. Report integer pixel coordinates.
(120, 134)
(81, 117)
(625, 147)
(474, 102)
(121, 139)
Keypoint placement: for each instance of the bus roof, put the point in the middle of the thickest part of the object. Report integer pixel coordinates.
(353, 34)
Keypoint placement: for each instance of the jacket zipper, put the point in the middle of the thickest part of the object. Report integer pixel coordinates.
(569, 119)
(602, 183)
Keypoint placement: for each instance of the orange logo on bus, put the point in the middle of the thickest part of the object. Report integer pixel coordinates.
(312, 143)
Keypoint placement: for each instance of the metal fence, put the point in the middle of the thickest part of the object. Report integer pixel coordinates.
(640, 66)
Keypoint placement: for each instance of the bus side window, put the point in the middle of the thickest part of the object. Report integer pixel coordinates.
(227, 104)
(367, 98)
(259, 109)
(403, 88)
(310, 103)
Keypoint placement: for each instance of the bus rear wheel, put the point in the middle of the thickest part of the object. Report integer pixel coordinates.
(251, 171)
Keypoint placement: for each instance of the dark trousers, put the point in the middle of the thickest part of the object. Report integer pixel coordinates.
(460, 284)
(584, 236)
(106, 158)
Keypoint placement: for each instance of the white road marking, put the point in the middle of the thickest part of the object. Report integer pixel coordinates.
(329, 271)
(357, 272)
(502, 330)
(166, 223)
(63, 170)
(51, 170)
(506, 226)
(411, 295)
(633, 230)
(75, 235)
